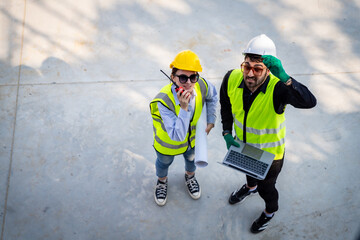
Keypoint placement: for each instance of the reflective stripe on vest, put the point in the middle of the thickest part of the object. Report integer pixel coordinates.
(168, 145)
(260, 131)
(169, 103)
(162, 141)
(264, 128)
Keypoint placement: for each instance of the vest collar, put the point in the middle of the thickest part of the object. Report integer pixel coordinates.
(262, 88)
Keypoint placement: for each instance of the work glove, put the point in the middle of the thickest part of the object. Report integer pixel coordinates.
(229, 139)
(275, 67)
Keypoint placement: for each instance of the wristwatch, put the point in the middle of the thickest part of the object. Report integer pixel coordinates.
(225, 132)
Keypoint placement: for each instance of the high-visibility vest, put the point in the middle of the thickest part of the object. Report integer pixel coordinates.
(162, 142)
(261, 127)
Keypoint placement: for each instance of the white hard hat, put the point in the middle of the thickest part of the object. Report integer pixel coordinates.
(261, 45)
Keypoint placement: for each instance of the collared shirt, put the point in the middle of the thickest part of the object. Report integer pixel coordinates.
(178, 126)
(296, 95)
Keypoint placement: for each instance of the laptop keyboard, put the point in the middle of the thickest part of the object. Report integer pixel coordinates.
(247, 163)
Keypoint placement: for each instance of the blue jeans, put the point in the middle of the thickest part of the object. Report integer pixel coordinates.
(163, 162)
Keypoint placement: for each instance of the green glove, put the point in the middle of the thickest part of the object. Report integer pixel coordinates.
(230, 141)
(275, 67)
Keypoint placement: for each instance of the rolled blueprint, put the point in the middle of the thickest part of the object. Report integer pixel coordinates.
(200, 140)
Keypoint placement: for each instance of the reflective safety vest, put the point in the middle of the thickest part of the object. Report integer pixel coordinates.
(261, 126)
(162, 142)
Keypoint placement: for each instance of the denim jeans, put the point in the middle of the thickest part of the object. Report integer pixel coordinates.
(163, 162)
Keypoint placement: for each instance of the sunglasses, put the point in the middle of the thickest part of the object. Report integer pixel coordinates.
(183, 78)
(256, 70)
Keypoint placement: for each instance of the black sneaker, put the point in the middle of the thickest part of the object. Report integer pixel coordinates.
(161, 193)
(193, 186)
(261, 223)
(241, 194)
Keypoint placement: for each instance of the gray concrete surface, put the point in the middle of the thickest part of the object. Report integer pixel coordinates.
(76, 78)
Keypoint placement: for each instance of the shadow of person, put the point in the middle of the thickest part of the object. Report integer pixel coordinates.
(9, 75)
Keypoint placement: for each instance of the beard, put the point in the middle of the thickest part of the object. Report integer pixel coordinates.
(254, 82)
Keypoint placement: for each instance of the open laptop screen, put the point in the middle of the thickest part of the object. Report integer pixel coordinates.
(252, 151)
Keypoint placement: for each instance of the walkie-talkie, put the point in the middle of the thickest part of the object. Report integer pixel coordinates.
(177, 88)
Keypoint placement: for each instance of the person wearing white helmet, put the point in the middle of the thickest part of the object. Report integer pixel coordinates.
(175, 112)
(253, 100)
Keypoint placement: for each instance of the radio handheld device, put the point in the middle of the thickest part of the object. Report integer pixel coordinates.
(177, 88)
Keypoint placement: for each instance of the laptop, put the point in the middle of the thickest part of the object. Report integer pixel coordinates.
(250, 160)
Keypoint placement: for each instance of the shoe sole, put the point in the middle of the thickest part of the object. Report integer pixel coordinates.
(257, 231)
(160, 203)
(194, 197)
(157, 202)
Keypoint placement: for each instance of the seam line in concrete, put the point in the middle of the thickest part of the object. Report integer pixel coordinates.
(151, 80)
(14, 124)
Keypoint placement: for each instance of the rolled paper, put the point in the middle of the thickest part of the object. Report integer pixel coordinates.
(201, 141)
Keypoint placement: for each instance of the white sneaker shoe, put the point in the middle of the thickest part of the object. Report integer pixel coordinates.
(161, 193)
(193, 186)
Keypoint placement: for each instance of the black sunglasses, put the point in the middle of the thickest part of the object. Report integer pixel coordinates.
(183, 78)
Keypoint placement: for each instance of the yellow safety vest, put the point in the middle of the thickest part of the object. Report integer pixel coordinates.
(264, 128)
(162, 142)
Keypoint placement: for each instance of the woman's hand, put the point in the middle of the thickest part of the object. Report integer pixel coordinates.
(209, 127)
(184, 99)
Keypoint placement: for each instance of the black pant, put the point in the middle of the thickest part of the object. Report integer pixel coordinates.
(266, 187)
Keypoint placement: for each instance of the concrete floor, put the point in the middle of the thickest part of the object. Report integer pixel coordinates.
(76, 79)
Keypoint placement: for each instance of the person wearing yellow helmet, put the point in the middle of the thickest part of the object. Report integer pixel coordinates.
(175, 111)
(253, 100)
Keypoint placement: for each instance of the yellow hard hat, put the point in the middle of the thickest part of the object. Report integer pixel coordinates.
(187, 60)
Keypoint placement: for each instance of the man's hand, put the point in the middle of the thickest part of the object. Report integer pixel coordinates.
(275, 67)
(230, 141)
(209, 127)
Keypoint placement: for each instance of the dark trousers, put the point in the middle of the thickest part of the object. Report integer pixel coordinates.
(266, 187)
